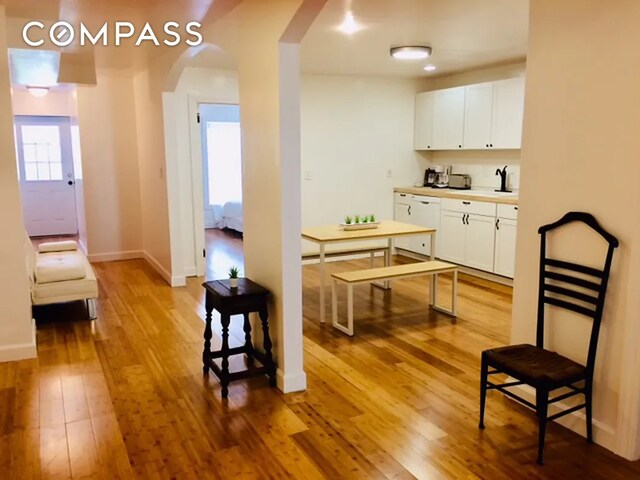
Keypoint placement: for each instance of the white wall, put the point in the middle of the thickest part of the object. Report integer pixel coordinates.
(355, 130)
(582, 122)
(17, 332)
(111, 180)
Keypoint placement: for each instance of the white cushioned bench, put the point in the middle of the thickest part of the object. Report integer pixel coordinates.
(393, 272)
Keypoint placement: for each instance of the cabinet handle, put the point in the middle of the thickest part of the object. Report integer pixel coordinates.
(487, 145)
(409, 211)
(466, 203)
(491, 145)
(428, 146)
(459, 146)
(403, 194)
(497, 224)
(425, 203)
(516, 208)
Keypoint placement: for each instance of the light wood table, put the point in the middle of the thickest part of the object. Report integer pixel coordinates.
(388, 229)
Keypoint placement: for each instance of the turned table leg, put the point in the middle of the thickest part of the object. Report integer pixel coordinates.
(207, 338)
(224, 374)
(264, 318)
(247, 337)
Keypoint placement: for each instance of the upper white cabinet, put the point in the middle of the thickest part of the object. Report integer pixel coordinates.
(481, 116)
(448, 119)
(478, 112)
(423, 123)
(508, 110)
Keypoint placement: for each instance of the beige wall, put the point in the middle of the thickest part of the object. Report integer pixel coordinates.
(55, 103)
(108, 138)
(580, 152)
(17, 334)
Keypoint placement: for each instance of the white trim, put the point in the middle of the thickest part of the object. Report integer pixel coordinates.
(83, 247)
(115, 256)
(190, 272)
(157, 267)
(178, 281)
(12, 353)
(291, 382)
(603, 434)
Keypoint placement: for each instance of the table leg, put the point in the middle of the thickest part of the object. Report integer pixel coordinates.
(247, 337)
(268, 357)
(207, 336)
(454, 294)
(322, 312)
(350, 309)
(387, 260)
(434, 278)
(224, 374)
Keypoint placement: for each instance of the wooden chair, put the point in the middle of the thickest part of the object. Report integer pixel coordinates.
(542, 369)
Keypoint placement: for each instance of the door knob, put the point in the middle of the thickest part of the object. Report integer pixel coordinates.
(70, 182)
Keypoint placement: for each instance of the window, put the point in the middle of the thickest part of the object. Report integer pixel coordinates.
(224, 162)
(42, 152)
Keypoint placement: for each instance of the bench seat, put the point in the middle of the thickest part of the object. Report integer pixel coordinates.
(433, 268)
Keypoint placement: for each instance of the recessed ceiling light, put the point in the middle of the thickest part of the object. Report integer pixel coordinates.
(38, 91)
(410, 52)
(349, 24)
(429, 68)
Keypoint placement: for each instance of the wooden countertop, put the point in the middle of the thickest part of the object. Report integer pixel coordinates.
(457, 194)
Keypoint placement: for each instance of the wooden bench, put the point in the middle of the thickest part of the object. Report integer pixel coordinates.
(393, 272)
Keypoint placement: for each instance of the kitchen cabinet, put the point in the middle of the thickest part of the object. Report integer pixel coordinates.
(506, 227)
(423, 121)
(403, 214)
(468, 233)
(475, 117)
(478, 113)
(508, 111)
(448, 119)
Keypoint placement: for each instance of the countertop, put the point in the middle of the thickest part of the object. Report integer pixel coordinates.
(506, 199)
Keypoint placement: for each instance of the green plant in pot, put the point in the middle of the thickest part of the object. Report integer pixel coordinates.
(233, 277)
(348, 220)
(372, 218)
(357, 219)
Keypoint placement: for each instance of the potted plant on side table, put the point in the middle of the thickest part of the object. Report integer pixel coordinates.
(233, 277)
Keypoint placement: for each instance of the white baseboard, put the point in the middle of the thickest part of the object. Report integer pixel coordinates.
(157, 267)
(292, 382)
(82, 246)
(178, 281)
(12, 353)
(190, 271)
(115, 256)
(603, 434)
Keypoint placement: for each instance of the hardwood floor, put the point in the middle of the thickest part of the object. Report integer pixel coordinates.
(124, 396)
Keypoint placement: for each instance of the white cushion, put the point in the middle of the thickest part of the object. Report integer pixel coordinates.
(68, 291)
(59, 267)
(67, 245)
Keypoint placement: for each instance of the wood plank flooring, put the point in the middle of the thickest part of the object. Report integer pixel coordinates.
(124, 397)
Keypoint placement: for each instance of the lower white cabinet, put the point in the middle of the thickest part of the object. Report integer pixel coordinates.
(403, 214)
(479, 242)
(453, 232)
(505, 256)
(417, 210)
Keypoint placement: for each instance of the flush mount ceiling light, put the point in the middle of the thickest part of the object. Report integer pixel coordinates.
(38, 91)
(349, 24)
(410, 52)
(430, 68)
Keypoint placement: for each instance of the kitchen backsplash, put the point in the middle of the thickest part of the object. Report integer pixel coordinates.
(484, 176)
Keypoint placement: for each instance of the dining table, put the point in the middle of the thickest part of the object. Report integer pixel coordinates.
(385, 230)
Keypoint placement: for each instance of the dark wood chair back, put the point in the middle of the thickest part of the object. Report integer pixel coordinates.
(578, 288)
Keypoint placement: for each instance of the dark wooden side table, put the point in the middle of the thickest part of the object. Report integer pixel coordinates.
(247, 298)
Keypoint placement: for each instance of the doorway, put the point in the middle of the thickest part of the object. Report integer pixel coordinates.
(47, 180)
(222, 179)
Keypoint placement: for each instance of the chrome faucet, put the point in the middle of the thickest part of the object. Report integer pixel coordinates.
(503, 179)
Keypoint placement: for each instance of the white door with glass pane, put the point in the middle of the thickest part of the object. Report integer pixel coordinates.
(45, 168)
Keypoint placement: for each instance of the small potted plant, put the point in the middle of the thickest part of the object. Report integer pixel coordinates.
(348, 220)
(233, 277)
(372, 218)
(357, 219)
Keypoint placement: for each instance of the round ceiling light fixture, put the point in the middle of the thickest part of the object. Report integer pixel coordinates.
(410, 52)
(38, 91)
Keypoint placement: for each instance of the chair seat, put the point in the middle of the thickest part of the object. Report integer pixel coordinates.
(535, 366)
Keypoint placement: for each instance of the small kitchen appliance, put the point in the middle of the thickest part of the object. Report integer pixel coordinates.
(429, 177)
(460, 181)
(442, 176)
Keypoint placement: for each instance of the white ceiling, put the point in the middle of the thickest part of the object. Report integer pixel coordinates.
(464, 34)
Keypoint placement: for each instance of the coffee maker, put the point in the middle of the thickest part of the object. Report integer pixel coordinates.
(441, 179)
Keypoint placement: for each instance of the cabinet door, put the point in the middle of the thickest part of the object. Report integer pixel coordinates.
(480, 242)
(508, 111)
(448, 115)
(423, 121)
(451, 244)
(425, 213)
(505, 247)
(478, 112)
(403, 214)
